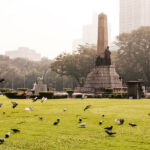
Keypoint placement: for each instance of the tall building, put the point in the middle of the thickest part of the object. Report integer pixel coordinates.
(134, 14)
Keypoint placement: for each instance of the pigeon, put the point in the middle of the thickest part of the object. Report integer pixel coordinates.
(14, 104)
(80, 120)
(109, 128)
(58, 120)
(149, 114)
(29, 108)
(82, 125)
(43, 99)
(15, 130)
(65, 109)
(41, 118)
(103, 115)
(87, 107)
(110, 133)
(35, 99)
(120, 121)
(101, 122)
(56, 123)
(4, 113)
(1, 104)
(2, 141)
(7, 135)
(132, 124)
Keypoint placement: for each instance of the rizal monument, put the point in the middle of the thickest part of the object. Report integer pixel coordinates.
(104, 74)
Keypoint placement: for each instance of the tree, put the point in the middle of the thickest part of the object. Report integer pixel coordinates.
(133, 57)
(76, 65)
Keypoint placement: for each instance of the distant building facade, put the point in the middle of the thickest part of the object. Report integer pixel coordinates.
(24, 52)
(134, 14)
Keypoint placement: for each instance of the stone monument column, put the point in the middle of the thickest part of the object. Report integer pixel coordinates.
(102, 41)
(104, 74)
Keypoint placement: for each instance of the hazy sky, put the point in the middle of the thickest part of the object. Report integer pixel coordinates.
(50, 26)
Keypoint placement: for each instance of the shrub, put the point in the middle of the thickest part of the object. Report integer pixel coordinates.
(49, 95)
(60, 96)
(78, 96)
(70, 92)
(11, 95)
(22, 89)
(3, 90)
(109, 90)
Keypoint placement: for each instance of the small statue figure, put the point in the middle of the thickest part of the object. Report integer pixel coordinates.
(107, 56)
(106, 61)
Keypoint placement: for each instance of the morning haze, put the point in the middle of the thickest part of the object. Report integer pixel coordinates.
(41, 25)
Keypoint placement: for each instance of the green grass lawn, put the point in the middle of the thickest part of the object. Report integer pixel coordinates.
(39, 134)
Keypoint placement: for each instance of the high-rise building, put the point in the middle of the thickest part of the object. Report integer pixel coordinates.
(134, 14)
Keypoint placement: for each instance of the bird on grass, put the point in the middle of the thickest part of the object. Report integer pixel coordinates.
(1, 104)
(14, 105)
(132, 124)
(82, 125)
(101, 122)
(43, 99)
(4, 113)
(41, 118)
(15, 130)
(110, 133)
(80, 120)
(7, 135)
(34, 99)
(103, 115)
(120, 121)
(149, 114)
(65, 109)
(56, 122)
(87, 107)
(109, 128)
(2, 141)
(29, 108)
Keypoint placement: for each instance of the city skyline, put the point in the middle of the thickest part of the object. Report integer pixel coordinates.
(41, 25)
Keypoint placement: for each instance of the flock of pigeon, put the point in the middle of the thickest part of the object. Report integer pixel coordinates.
(14, 105)
(108, 129)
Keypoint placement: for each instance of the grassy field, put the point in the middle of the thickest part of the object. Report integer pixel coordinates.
(39, 134)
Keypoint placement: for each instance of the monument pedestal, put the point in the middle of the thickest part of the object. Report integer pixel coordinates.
(100, 78)
(40, 88)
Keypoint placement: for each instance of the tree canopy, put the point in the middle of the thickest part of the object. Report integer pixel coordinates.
(133, 56)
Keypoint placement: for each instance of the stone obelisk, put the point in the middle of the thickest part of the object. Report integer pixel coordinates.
(102, 41)
(104, 74)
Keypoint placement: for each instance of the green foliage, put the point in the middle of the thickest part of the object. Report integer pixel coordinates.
(109, 90)
(48, 95)
(76, 65)
(60, 96)
(11, 95)
(3, 90)
(133, 57)
(22, 89)
(69, 91)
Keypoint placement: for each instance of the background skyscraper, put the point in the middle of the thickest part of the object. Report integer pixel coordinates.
(134, 14)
